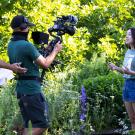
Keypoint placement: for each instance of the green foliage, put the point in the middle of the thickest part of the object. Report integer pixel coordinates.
(9, 111)
(99, 39)
(64, 104)
(105, 98)
(97, 20)
(104, 91)
(107, 19)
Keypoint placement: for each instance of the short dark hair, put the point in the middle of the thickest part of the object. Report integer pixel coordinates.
(133, 36)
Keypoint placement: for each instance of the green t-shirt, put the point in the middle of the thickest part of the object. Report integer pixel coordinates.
(25, 52)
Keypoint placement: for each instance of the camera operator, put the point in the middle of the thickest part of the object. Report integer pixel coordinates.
(31, 99)
(14, 67)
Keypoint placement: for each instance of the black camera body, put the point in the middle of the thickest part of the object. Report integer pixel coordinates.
(63, 25)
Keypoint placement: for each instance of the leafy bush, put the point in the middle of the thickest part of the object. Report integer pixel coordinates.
(104, 91)
(10, 119)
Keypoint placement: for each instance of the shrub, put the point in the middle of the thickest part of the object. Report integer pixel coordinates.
(104, 91)
(10, 119)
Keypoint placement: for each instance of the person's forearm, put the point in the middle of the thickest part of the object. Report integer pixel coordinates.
(14, 67)
(124, 71)
(5, 65)
(49, 59)
(119, 70)
(130, 72)
(45, 62)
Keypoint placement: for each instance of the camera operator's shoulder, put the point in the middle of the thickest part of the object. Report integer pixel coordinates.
(28, 44)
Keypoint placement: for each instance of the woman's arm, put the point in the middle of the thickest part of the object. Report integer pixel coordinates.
(123, 70)
(114, 67)
(129, 72)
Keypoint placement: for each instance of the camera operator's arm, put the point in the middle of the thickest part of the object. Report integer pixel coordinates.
(14, 67)
(46, 62)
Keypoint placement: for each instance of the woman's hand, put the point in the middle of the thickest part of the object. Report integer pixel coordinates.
(113, 66)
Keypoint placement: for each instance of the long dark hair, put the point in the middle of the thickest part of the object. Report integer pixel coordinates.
(133, 36)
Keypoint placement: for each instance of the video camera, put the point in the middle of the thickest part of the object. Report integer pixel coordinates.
(63, 25)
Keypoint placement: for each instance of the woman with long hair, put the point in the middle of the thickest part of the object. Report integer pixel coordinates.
(128, 70)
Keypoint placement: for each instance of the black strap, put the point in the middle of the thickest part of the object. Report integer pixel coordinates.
(28, 78)
(20, 95)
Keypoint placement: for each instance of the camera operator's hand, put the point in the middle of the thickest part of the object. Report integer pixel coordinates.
(58, 47)
(47, 61)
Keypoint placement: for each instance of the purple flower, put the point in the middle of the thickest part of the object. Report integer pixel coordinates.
(83, 100)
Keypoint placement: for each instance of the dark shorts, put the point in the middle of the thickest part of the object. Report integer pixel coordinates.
(34, 110)
(129, 90)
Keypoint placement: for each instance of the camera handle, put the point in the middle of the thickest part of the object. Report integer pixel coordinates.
(48, 51)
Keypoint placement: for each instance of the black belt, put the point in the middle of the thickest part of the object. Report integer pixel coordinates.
(28, 78)
(20, 95)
